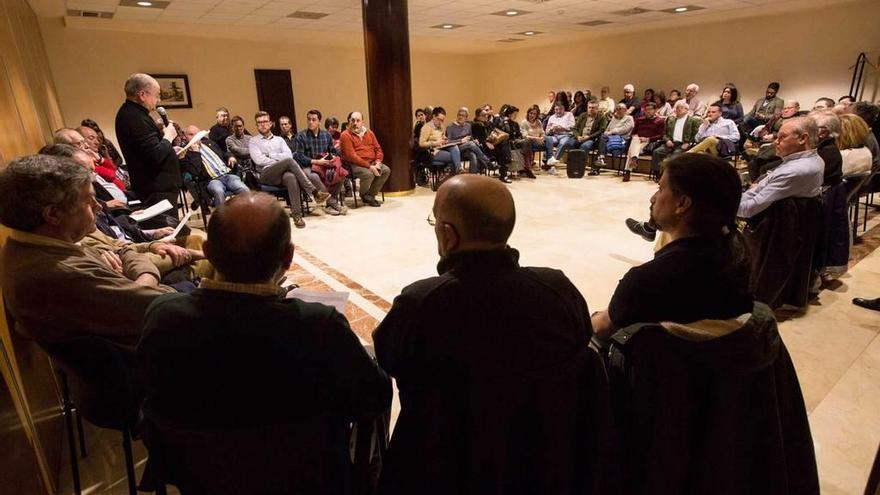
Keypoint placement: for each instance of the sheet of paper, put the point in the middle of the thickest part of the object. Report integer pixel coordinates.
(330, 298)
(198, 137)
(180, 226)
(148, 213)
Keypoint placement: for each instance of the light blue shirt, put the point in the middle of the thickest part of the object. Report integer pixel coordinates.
(799, 176)
(722, 129)
(268, 150)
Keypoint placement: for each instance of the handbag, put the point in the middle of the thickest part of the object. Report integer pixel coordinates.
(616, 142)
(497, 136)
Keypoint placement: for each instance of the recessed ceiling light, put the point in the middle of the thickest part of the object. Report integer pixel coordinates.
(529, 33)
(511, 12)
(448, 26)
(145, 4)
(681, 9)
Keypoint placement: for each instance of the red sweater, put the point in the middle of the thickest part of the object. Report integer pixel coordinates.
(360, 151)
(652, 129)
(107, 170)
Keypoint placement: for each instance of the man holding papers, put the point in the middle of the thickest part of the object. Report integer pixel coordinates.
(208, 166)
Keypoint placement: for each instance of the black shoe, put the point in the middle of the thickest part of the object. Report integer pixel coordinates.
(640, 229)
(593, 172)
(528, 173)
(868, 303)
(505, 179)
(626, 175)
(371, 201)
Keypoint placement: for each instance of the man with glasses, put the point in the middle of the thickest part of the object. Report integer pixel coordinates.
(276, 167)
(152, 161)
(460, 130)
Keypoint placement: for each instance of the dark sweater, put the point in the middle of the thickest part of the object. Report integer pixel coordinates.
(151, 160)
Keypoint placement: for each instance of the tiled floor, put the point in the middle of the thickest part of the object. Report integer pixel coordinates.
(577, 226)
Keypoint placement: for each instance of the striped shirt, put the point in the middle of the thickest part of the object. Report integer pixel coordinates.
(212, 162)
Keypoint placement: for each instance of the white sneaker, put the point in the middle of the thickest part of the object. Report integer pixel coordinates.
(552, 171)
(601, 160)
(552, 161)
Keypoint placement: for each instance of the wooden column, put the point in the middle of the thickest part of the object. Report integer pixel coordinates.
(386, 46)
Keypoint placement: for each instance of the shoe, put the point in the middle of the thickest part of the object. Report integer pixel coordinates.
(639, 229)
(593, 172)
(552, 161)
(431, 219)
(341, 208)
(371, 201)
(528, 173)
(331, 211)
(321, 196)
(298, 221)
(868, 303)
(601, 160)
(552, 171)
(626, 174)
(505, 179)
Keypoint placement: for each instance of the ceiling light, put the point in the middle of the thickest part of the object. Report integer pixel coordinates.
(511, 12)
(681, 9)
(529, 33)
(448, 26)
(145, 4)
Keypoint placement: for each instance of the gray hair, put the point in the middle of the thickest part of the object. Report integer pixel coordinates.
(694, 86)
(31, 183)
(137, 83)
(805, 126)
(828, 120)
(681, 103)
(629, 87)
(62, 136)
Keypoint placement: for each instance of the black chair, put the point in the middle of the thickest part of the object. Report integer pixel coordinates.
(353, 182)
(281, 193)
(854, 185)
(96, 383)
(865, 190)
(296, 457)
(873, 486)
(433, 169)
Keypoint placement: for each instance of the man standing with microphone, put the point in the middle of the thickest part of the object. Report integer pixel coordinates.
(152, 162)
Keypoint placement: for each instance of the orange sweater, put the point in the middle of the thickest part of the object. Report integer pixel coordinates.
(360, 151)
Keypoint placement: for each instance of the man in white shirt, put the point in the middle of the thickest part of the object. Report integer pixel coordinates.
(606, 102)
(275, 167)
(717, 136)
(558, 134)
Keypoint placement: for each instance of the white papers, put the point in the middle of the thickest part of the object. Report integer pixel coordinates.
(197, 138)
(156, 209)
(329, 298)
(170, 237)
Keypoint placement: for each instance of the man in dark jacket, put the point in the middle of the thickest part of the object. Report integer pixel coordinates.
(499, 391)
(152, 162)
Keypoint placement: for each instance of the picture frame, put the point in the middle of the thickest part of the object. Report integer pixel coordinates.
(175, 90)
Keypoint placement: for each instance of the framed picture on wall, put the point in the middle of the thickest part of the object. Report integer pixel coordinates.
(175, 90)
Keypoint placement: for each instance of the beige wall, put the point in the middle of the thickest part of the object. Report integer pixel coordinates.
(90, 67)
(809, 53)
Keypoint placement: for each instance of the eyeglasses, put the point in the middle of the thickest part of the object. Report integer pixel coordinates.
(263, 122)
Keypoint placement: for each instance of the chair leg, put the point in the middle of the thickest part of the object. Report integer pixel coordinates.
(81, 432)
(129, 461)
(71, 444)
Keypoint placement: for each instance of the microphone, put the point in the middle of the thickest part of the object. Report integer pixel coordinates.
(163, 114)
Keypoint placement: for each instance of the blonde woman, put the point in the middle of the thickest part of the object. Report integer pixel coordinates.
(851, 141)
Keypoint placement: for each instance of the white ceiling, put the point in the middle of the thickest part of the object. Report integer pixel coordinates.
(556, 20)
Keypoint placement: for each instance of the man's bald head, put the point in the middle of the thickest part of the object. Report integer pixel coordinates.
(190, 131)
(68, 135)
(249, 239)
(473, 212)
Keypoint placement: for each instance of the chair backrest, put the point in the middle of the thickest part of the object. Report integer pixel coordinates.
(854, 183)
(99, 379)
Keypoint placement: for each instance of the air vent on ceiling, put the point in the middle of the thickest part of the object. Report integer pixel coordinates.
(302, 14)
(594, 23)
(89, 13)
(633, 11)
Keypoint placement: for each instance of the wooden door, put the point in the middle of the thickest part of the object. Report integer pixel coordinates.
(275, 94)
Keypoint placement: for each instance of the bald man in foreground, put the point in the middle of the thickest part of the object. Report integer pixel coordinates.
(235, 354)
(499, 392)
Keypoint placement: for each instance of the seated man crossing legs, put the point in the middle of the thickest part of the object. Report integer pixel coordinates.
(717, 136)
(460, 130)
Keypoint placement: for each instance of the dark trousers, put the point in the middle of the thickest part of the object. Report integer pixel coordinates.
(662, 153)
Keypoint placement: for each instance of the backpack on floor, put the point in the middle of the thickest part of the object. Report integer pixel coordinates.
(577, 162)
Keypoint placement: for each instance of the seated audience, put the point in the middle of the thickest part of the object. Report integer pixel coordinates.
(731, 108)
(580, 104)
(606, 102)
(620, 124)
(533, 134)
(106, 147)
(104, 166)
(763, 110)
(287, 134)
(318, 157)
(852, 142)
(647, 98)
(558, 135)
(207, 164)
(630, 101)
(696, 107)
(509, 153)
(432, 139)
(237, 355)
(870, 112)
(664, 108)
(238, 142)
(647, 129)
(680, 135)
(695, 350)
(588, 130)
(460, 130)
(823, 104)
(563, 98)
(494, 393)
(799, 175)
(221, 130)
(275, 167)
(417, 127)
(50, 205)
(362, 151)
(829, 130)
(717, 135)
(846, 102)
(551, 99)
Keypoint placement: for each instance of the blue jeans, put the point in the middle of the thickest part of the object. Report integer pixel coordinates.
(229, 182)
(587, 145)
(563, 141)
(475, 156)
(449, 155)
